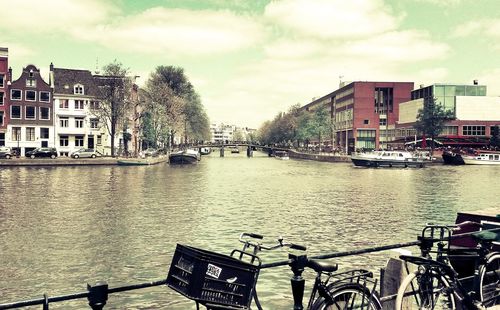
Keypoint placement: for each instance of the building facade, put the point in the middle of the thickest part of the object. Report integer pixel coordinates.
(363, 114)
(4, 81)
(475, 114)
(30, 110)
(75, 97)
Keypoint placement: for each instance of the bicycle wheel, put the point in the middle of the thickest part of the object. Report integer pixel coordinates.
(348, 296)
(489, 285)
(425, 291)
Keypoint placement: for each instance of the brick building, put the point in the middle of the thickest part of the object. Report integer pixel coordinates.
(31, 122)
(4, 81)
(363, 113)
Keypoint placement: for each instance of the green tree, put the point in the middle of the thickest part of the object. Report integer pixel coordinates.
(114, 88)
(431, 119)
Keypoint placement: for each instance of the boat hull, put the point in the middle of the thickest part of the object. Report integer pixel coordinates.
(359, 162)
(452, 159)
(183, 159)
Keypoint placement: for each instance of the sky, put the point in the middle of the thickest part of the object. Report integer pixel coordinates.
(252, 59)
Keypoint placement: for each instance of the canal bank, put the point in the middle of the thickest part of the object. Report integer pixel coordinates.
(22, 162)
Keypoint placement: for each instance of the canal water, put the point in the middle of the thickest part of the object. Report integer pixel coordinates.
(63, 227)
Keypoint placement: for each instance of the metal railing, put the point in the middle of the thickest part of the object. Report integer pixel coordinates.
(97, 294)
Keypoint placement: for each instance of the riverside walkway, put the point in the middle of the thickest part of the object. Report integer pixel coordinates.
(65, 161)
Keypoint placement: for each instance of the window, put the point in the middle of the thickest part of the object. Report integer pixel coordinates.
(99, 140)
(2, 77)
(78, 140)
(30, 133)
(383, 122)
(63, 103)
(79, 104)
(78, 89)
(15, 112)
(31, 82)
(44, 113)
(2, 138)
(63, 141)
(94, 123)
(16, 133)
(474, 130)
(44, 96)
(366, 121)
(79, 122)
(63, 122)
(16, 94)
(1, 118)
(30, 112)
(44, 133)
(2, 94)
(94, 105)
(31, 95)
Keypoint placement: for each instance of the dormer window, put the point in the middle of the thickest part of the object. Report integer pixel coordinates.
(31, 82)
(78, 90)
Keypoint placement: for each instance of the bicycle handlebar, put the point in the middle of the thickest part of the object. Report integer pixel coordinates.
(259, 246)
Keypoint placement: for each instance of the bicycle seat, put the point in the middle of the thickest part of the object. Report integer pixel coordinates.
(485, 235)
(322, 266)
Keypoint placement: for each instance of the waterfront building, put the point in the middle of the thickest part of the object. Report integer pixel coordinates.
(75, 98)
(475, 114)
(4, 81)
(30, 110)
(362, 113)
(230, 133)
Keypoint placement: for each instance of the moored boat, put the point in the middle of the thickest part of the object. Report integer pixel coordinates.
(184, 157)
(205, 150)
(388, 159)
(282, 155)
(452, 158)
(482, 159)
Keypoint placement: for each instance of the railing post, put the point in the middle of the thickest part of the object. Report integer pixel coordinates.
(98, 295)
(45, 302)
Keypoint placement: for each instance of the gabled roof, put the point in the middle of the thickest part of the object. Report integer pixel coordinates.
(66, 79)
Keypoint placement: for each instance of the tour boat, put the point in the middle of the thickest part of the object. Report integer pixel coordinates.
(184, 157)
(388, 159)
(482, 159)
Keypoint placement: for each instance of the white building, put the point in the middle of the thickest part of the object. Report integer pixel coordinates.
(75, 96)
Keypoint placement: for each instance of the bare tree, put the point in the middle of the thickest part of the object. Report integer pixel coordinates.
(113, 93)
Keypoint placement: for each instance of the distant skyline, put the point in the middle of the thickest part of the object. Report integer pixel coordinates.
(251, 59)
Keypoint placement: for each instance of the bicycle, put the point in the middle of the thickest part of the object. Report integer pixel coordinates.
(435, 283)
(353, 289)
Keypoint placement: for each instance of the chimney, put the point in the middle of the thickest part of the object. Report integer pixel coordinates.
(10, 74)
(475, 82)
(51, 66)
(422, 85)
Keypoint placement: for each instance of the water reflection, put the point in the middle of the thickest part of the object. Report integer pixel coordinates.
(62, 227)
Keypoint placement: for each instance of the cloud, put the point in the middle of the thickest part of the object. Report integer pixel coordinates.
(58, 16)
(442, 2)
(490, 78)
(489, 27)
(329, 19)
(178, 32)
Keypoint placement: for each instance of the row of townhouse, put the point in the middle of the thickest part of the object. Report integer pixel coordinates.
(60, 113)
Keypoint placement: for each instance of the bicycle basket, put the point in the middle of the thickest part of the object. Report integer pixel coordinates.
(211, 278)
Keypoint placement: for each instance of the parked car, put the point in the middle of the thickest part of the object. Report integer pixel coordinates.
(85, 153)
(6, 152)
(43, 152)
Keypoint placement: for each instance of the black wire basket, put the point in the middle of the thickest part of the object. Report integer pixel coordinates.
(212, 279)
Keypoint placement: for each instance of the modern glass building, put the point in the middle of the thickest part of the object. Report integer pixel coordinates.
(445, 94)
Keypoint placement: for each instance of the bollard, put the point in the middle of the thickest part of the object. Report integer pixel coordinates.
(98, 295)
